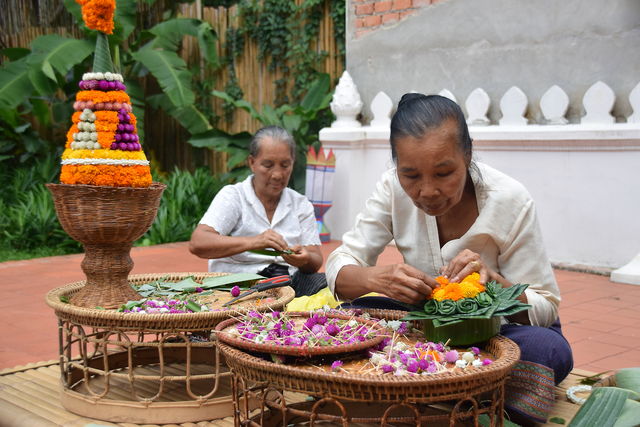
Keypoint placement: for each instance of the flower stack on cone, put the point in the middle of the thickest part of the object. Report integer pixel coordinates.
(103, 147)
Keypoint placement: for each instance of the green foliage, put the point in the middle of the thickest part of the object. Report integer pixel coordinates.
(183, 203)
(302, 121)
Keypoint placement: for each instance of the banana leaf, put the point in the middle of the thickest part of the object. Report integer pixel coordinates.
(240, 279)
(189, 117)
(629, 415)
(169, 36)
(54, 52)
(628, 378)
(270, 252)
(15, 85)
(171, 72)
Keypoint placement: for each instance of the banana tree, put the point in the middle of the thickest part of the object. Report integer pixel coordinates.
(303, 121)
(40, 82)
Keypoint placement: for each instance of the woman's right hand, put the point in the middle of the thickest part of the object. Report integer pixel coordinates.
(401, 282)
(270, 239)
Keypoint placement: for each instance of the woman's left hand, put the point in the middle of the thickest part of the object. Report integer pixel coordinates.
(466, 263)
(298, 258)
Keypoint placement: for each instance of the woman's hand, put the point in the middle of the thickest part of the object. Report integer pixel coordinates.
(270, 239)
(466, 263)
(400, 281)
(298, 258)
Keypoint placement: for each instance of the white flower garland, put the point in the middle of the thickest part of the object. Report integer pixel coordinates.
(571, 393)
(118, 162)
(103, 76)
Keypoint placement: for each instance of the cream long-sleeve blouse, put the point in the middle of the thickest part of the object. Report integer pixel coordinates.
(506, 234)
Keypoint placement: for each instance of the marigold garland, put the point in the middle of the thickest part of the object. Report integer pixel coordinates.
(103, 97)
(98, 14)
(469, 287)
(106, 175)
(103, 154)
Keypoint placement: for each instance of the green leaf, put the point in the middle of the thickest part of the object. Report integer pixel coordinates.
(15, 53)
(15, 85)
(74, 8)
(415, 315)
(185, 284)
(194, 306)
(291, 122)
(171, 72)
(629, 415)
(315, 98)
(189, 117)
(240, 279)
(220, 140)
(102, 62)
(270, 252)
(64, 299)
(628, 378)
(169, 35)
(557, 420)
(126, 11)
(59, 52)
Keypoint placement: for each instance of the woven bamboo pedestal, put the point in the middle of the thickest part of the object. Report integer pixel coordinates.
(106, 220)
(448, 398)
(145, 368)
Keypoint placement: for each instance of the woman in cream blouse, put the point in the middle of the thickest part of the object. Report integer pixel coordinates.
(451, 216)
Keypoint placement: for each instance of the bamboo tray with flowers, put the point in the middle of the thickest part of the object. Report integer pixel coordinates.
(467, 312)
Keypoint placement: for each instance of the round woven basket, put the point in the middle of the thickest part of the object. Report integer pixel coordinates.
(160, 322)
(378, 387)
(106, 220)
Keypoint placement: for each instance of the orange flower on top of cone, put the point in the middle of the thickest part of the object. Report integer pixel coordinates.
(98, 14)
(469, 287)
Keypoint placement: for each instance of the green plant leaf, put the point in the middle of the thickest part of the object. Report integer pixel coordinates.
(102, 62)
(126, 11)
(629, 415)
(60, 53)
(184, 284)
(628, 378)
(15, 53)
(240, 279)
(192, 119)
(15, 85)
(316, 96)
(169, 35)
(171, 72)
(270, 252)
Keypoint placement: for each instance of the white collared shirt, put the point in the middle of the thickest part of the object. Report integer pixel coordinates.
(237, 211)
(505, 234)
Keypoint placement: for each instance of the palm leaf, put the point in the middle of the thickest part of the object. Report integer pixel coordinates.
(171, 72)
(15, 85)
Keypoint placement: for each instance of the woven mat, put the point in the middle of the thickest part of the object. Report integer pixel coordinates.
(29, 396)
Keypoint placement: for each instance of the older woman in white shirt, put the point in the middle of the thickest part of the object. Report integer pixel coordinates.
(262, 213)
(450, 216)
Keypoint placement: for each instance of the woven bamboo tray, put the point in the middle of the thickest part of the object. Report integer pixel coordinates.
(378, 387)
(161, 322)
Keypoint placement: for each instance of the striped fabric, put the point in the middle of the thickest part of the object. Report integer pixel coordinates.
(530, 391)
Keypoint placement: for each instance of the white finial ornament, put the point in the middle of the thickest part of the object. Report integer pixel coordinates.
(513, 106)
(346, 103)
(477, 105)
(598, 102)
(381, 107)
(554, 104)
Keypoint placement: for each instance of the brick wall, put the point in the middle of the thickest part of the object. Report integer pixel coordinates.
(373, 14)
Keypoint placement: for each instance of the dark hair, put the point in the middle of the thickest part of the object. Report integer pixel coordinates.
(277, 134)
(418, 113)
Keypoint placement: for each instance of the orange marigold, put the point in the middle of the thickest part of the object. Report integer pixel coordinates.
(469, 287)
(106, 175)
(98, 14)
(103, 97)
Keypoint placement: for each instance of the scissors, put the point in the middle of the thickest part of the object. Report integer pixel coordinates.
(263, 285)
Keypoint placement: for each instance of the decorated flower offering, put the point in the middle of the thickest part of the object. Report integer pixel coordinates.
(468, 312)
(103, 147)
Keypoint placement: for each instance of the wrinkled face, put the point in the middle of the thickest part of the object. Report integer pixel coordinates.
(432, 169)
(271, 168)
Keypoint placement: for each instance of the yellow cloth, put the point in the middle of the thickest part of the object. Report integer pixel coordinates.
(316, 301)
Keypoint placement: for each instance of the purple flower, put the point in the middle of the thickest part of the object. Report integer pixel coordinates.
(235, 291)
(487, 362)
(199, 289)
(275, 314)
(310, 323)
(404, 358)
(423, 364)
(317, 329)
(432, 368)
(475, 350)
(332, 329)
(336, 365)
(387, 368)
(451, 356)
(440, 347)
(412, 366)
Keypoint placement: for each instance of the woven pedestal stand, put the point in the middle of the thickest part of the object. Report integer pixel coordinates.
(145, 368)
(106, 220)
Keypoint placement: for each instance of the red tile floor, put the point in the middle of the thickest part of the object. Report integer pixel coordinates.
(600, 318)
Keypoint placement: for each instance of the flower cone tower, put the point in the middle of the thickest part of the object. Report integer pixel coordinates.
(106, 199)
(319, 186)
